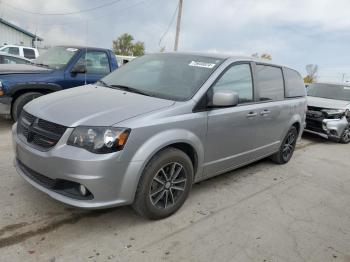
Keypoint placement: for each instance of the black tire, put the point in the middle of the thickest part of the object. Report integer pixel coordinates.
(21, 101)
(287, 148)
(150, 204)
(345, 137)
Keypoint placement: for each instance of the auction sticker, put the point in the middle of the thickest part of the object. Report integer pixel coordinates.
(71, 49)
(202, 64)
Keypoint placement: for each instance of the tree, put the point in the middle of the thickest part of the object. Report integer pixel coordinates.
(138, 49)
(311, 76)
(124, 45)
(265, 56)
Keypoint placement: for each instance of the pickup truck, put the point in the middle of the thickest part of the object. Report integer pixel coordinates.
(59, 68)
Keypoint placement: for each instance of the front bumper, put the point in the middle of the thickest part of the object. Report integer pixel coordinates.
(5, 105)
(327, 128)
(110, 181)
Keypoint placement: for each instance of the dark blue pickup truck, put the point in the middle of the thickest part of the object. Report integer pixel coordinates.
(59, 68)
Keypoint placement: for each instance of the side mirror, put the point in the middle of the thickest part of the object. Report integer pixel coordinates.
(78, 69)
(225, 98)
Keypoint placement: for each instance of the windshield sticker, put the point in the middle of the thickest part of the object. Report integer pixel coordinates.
(202, 64)
(70, 49)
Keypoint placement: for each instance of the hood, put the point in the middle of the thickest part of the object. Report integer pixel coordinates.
(6, 69)
(93, 106)
(327, 103)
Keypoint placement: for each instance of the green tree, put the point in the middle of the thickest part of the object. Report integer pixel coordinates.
(124, 45)
(138, 49)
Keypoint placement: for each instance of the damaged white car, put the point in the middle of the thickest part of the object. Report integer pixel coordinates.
(328, 112)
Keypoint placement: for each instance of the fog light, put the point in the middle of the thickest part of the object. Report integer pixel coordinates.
(324, 126)
(82, 190)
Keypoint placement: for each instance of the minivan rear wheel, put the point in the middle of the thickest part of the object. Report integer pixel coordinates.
(164, 185)
(287, 148)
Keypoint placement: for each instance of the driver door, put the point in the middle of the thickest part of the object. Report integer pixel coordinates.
(231, 130)
(96, 64)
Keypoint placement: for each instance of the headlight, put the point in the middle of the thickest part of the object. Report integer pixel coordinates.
(1, 90)
(334, 112)
(99, 140)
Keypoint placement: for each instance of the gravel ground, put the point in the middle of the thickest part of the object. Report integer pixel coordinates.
(263, 212)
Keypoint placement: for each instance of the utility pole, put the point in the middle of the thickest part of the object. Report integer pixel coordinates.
(343, 78)
(178, 25)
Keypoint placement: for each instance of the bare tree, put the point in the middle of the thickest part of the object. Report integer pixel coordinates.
(265, 56)
(311, 76)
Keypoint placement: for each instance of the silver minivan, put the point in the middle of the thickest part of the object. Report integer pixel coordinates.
(146, 132)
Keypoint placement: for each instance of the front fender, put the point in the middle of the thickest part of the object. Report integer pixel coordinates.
(166, 138)
(153, 145)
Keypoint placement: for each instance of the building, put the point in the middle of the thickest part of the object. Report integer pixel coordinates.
(13, 35)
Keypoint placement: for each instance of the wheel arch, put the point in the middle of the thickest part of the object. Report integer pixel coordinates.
(181, 139)
(44, 88)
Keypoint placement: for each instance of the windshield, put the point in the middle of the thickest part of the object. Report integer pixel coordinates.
(330, 91)
(56, 57)
(169, 76)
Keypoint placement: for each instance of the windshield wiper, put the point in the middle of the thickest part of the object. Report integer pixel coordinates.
(130, 89)
(103, 83)
(42, 65)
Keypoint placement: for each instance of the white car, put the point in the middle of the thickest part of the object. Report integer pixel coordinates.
(27, 52)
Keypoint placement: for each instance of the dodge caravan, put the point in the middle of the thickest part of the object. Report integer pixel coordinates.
(145, 133)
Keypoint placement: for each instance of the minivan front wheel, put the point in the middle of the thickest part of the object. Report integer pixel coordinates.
(287, 148)
(165, 184)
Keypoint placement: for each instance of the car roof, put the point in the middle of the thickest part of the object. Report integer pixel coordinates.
(83, 47)
(17, 46)
(231, 57)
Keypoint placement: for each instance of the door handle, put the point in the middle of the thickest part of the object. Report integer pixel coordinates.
(265, 113)
(251, 114)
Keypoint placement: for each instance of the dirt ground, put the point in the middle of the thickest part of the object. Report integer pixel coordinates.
(263, 212)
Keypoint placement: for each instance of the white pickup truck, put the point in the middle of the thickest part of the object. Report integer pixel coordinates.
(27, 52)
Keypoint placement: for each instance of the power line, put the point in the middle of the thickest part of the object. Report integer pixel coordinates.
(169, 26)
(96, 18)
(178, 25)
(65, 13)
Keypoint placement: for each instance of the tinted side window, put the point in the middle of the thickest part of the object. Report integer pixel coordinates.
(14, 60)
(96, 62)
(295, 86)
(29, 53)
(270, 82)
(238, 78)
(13, 50)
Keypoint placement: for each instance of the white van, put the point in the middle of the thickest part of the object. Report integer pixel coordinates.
(27, 52)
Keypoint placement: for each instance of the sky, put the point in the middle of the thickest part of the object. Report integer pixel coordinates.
(294, 32)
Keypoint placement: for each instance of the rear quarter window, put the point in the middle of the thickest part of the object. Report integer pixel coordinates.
(270, 83)
(295, 86)
(29, 53)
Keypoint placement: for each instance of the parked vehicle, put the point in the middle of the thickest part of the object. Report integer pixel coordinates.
(59, 68)
(146, 132)
(328, 111)
(6, 58)
(23, 51)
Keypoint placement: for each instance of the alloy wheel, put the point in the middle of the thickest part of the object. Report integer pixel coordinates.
(346, 135)
(288, 147)
(168, 185)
